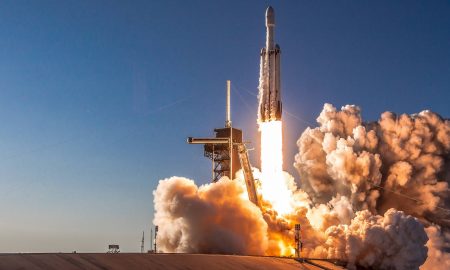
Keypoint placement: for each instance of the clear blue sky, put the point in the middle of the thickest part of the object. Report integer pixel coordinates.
(98, 97)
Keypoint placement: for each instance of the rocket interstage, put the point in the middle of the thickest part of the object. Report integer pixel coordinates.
(270, 106)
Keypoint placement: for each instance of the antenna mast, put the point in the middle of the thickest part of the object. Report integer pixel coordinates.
(154, 244)
(151, 239)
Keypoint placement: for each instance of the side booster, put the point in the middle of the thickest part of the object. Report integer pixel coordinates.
(270, 106)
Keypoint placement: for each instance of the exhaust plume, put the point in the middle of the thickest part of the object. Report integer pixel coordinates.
(370, 195)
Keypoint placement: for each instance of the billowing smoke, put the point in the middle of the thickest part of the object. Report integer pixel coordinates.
(367, 192)
(438, 248)
(381, 242)
(398, 162)
(214, 218)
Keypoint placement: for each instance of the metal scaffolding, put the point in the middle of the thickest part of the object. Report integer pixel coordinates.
(228, 153)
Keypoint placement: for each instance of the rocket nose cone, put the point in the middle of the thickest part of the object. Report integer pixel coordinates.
(269, 11)
(270, 16)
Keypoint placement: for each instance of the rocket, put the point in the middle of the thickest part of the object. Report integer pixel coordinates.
(270, 106)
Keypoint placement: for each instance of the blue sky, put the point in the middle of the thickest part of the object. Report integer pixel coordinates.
(98, 97)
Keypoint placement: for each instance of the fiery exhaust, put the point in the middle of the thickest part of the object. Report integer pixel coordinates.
(273, 186)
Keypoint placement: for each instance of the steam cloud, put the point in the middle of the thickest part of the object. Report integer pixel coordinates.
(214, 218)
(368, 190)
(407, 154)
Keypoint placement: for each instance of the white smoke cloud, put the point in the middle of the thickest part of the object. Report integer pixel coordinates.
(374, 162)
(399, 162)
(438, 243)
(392, 241)
(213, 218)
(218, 218)
(338, 158)
(415, 151)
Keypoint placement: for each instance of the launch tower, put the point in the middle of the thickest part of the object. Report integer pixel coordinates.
(228, 153)
(222, 148)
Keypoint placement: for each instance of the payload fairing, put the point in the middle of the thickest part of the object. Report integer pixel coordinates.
(270, 106)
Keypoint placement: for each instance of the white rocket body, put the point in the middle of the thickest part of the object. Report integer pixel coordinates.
(270, 106)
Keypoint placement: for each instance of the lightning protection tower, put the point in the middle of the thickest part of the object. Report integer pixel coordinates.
(142, 243)
(298, 241)
(154, 243)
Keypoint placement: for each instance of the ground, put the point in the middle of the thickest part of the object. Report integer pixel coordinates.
(131, 261)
